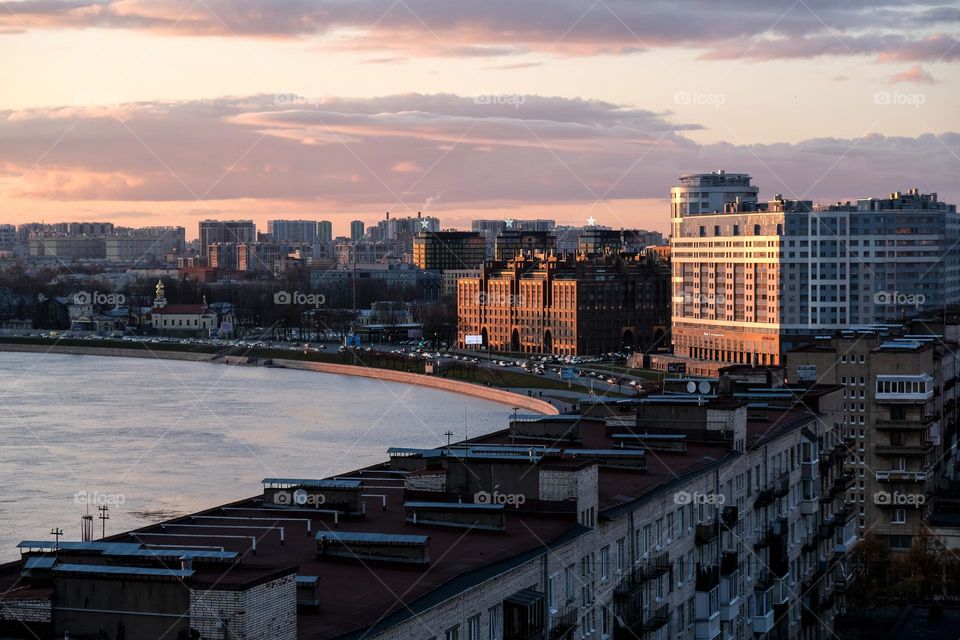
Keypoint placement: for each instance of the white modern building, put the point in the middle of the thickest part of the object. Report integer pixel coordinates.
(753, 280)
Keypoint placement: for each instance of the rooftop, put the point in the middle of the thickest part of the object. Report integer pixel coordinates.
(385, 588)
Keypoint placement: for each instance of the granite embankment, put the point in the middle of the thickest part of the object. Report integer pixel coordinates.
(457, 386)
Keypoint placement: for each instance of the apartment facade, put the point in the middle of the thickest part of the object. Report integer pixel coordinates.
(753, 280)
(225, 231)
(294, 231)
(899, 422)
(443, 250)
(566, 305)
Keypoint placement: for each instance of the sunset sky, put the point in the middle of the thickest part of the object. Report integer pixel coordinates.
(169, 111)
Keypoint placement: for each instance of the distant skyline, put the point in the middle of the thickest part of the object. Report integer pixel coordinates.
(168, 112)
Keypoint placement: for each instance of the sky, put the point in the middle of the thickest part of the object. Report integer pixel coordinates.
(171, 111)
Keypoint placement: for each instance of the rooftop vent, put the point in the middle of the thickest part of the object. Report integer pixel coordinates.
(384, 547)
(490, 517)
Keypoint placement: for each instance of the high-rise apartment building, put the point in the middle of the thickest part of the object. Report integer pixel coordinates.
(324, 231)
(756, 279)
(217, 231)
(443, 250)
(224, 255)
(292, 231)
(356, 230)
(8, 237)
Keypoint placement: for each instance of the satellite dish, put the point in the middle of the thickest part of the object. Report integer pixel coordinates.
(704, 387)
(691, 387)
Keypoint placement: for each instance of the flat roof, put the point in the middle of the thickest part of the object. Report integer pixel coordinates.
(378, 538)
(372, 599)
(326, 483)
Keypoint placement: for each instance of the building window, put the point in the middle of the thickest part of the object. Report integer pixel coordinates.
(605, 563)
(899, 516)
(494, 622)
(473, 628)
(453, 633)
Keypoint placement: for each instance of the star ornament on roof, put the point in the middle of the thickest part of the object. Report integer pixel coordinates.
(591, 221)
(424, 223)
(509, 223)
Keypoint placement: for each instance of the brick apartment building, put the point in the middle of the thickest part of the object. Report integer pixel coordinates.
(571, 305)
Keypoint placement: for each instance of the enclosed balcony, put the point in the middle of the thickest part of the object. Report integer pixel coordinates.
(781, 589)
(898, 475)
(763, 605)
(904, 388)
(729, 586)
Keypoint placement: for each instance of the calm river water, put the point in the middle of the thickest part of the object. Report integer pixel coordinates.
(157, 438)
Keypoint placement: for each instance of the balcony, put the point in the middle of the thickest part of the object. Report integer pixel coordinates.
(708, 577)
(729, 587)
(763, 603)
(563, 624)
(708, 628)
(763, 538)
(825, 530)
(810, 505)
(707, 532)
(826, 459)
(904, 388)
(653, 619)
(729, 562)
(841, 580)
(765, 498)
(809, 543)
(842, 483)
(904, 450)
(781, 486)
(729, 517)
(842, 516)
(909, 424)
(781, 589)
(896, 475)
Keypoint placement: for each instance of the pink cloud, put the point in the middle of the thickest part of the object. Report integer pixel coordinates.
(406, 167)
(397, 152)
(914, 75)
(888, 30)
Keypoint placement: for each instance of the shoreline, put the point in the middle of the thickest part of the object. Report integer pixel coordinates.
(493, 394)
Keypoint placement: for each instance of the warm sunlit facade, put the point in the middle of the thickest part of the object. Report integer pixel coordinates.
(566, 306)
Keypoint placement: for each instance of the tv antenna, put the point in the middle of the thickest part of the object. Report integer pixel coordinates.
(104, 516)
(56, 533)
